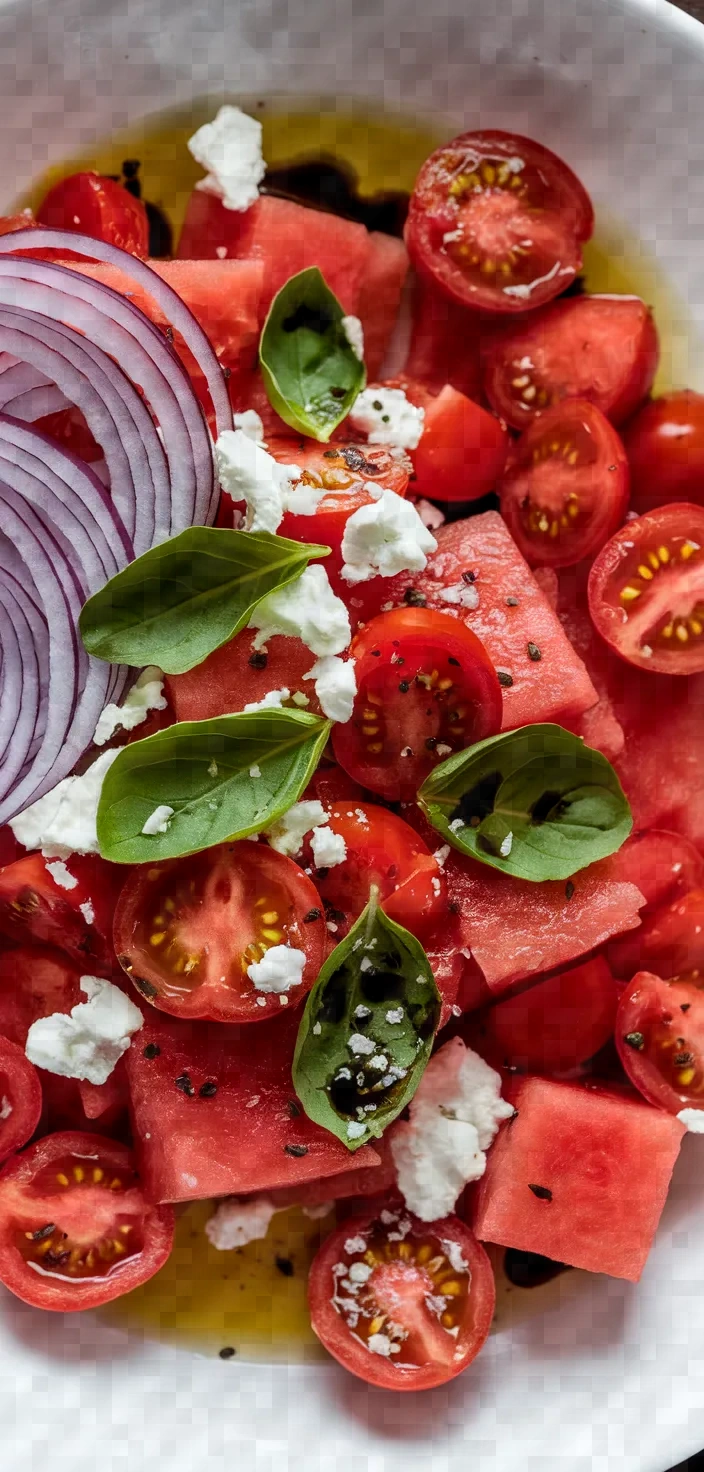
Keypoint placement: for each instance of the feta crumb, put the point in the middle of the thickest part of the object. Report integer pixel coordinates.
(385, 538)
(305, 609)
(335, 686)
(247, 472)
(63, 821)
(317, 1029)
(443, 749)
(273, 700)
(361, 1046)
(87, 912)
(361, 817)
(61, 875)
(355, 1130)
(454, 1117)
(354, 332)
(221, 252)
(380, 1344)
(5, 1108)
(286, 835)
(359, 1272)
(88, 1042)
(506, 845)
(146, 694)
(159, 821)
(255, 772)
(395, 1015)
(456, 824)
(329, 848)
(463, 595)
(251, 424)
(235, 1223)
(300, 699)
(431, 516)
(441, 854)
(355, 1244)
(230, 149)
(437, 887)
(693, 1119)
(387, 417)
(280, 969)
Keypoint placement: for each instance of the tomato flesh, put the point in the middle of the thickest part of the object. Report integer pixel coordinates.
(75, 1230)
(497, 221)
(646, 591)
(186, 931)
(600, 348)
(425, 687)
(90, 204)
(665, 867)
(665, 448)
(462, 450)
(384, 852)
(557, 1025)
(565, 488)
(660, 1039)
(402, 1303)
(69, 906)
(20, 1098)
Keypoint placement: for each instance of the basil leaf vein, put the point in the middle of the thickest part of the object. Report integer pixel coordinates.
(536, 803)
(311, 373)
(383, 970)
(181, 600)
(201, 770)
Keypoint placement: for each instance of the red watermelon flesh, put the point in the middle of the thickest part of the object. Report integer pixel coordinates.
(226, 681)
(380, 296)
(445, 343)
(579, 1175)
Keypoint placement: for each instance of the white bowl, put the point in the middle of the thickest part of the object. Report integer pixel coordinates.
(610, 1372)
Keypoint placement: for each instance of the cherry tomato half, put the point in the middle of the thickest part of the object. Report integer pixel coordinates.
(402, 1303)
(187, 930)
(462, 450)
(665, 448)
(601, 348)
(20, 1098)
(556, 1025)
(75, 1229)
(383, 851)
(425, 688)
(66, 905)
(89, 204)
(664, 867)
(646, 590)
(660, 1039)
(565, 488)
(497, 221)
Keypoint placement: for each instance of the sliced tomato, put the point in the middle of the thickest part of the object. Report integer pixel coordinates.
(665, 448)
(565, 488)
(187, 930)
(384, 852)
(600, 348)
(670, 942)
(665, 867)
(462, 450)
(425, 687)
(660, 1039)
(69, 905)
(236, 675)
(402, 1303)
(75, 1229)
(20, 1098)
(646, 590)
(557, 1025)
(497, 221)
(89, 204)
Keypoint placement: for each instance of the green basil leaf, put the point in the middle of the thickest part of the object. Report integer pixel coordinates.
(181, 600)
(311, 373)
(536, 803)
(376, 988)
(206, 772)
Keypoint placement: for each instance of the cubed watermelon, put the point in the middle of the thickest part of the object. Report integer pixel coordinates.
(579, 1175)
(380, 296)
(227, 681)
(445, 343)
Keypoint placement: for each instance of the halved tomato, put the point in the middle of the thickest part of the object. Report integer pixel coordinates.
(187, 930)
(462, 450)
(385, 852)
(20, 1098)
(660, 1039)
(402, 1303)
(425, 687)
(665, 448)
(69, 905)
(75, 1229)
(646, 590)
(497, 221)
(565, 488)
(90, 204)
(600, 348)
(665, 867)
(557, 1025)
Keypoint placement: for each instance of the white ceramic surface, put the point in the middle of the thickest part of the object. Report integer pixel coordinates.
(613, 1375)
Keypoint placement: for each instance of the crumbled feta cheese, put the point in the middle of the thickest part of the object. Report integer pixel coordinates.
(387, 417)
(63, 822)
(441, 854)
(361, 1046)
(385, 538)
(286, 835)
(359, 1272)
(146, 694)
(693, 1119)
(329, 848)
(230, 149)
(247, 472)
(88, 1042)
(462, 595)
(355, 1130)
(431, 516)
(443, 749)
(355, 1244)
(436, 884)
(300, 699)
(280, 969)
(5, 1108)
(454, 1117)
(395, 1015)
(159, 821)
(335, 686)
(87, 912)
(305, 609)
(354, 332)
(506, 845)
(251, 424)
(273, 700)
(255, 772)
(456, 824)
(380, 1344)
(235, 1223)
(61, 875)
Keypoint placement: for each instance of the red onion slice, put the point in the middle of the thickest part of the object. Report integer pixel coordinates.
(20, 678)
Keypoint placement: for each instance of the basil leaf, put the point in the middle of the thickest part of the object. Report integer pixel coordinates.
(181, 600)
(377, 974)
(536, 803)
(202, 770)
(311, 373)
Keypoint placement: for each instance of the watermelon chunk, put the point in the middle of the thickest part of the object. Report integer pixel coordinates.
(380, 296)
(579, 1175)
(250, 1135)
(445, 343)
(511, 617)
(226, 681)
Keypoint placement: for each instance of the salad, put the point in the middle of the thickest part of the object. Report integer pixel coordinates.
(351, 702)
